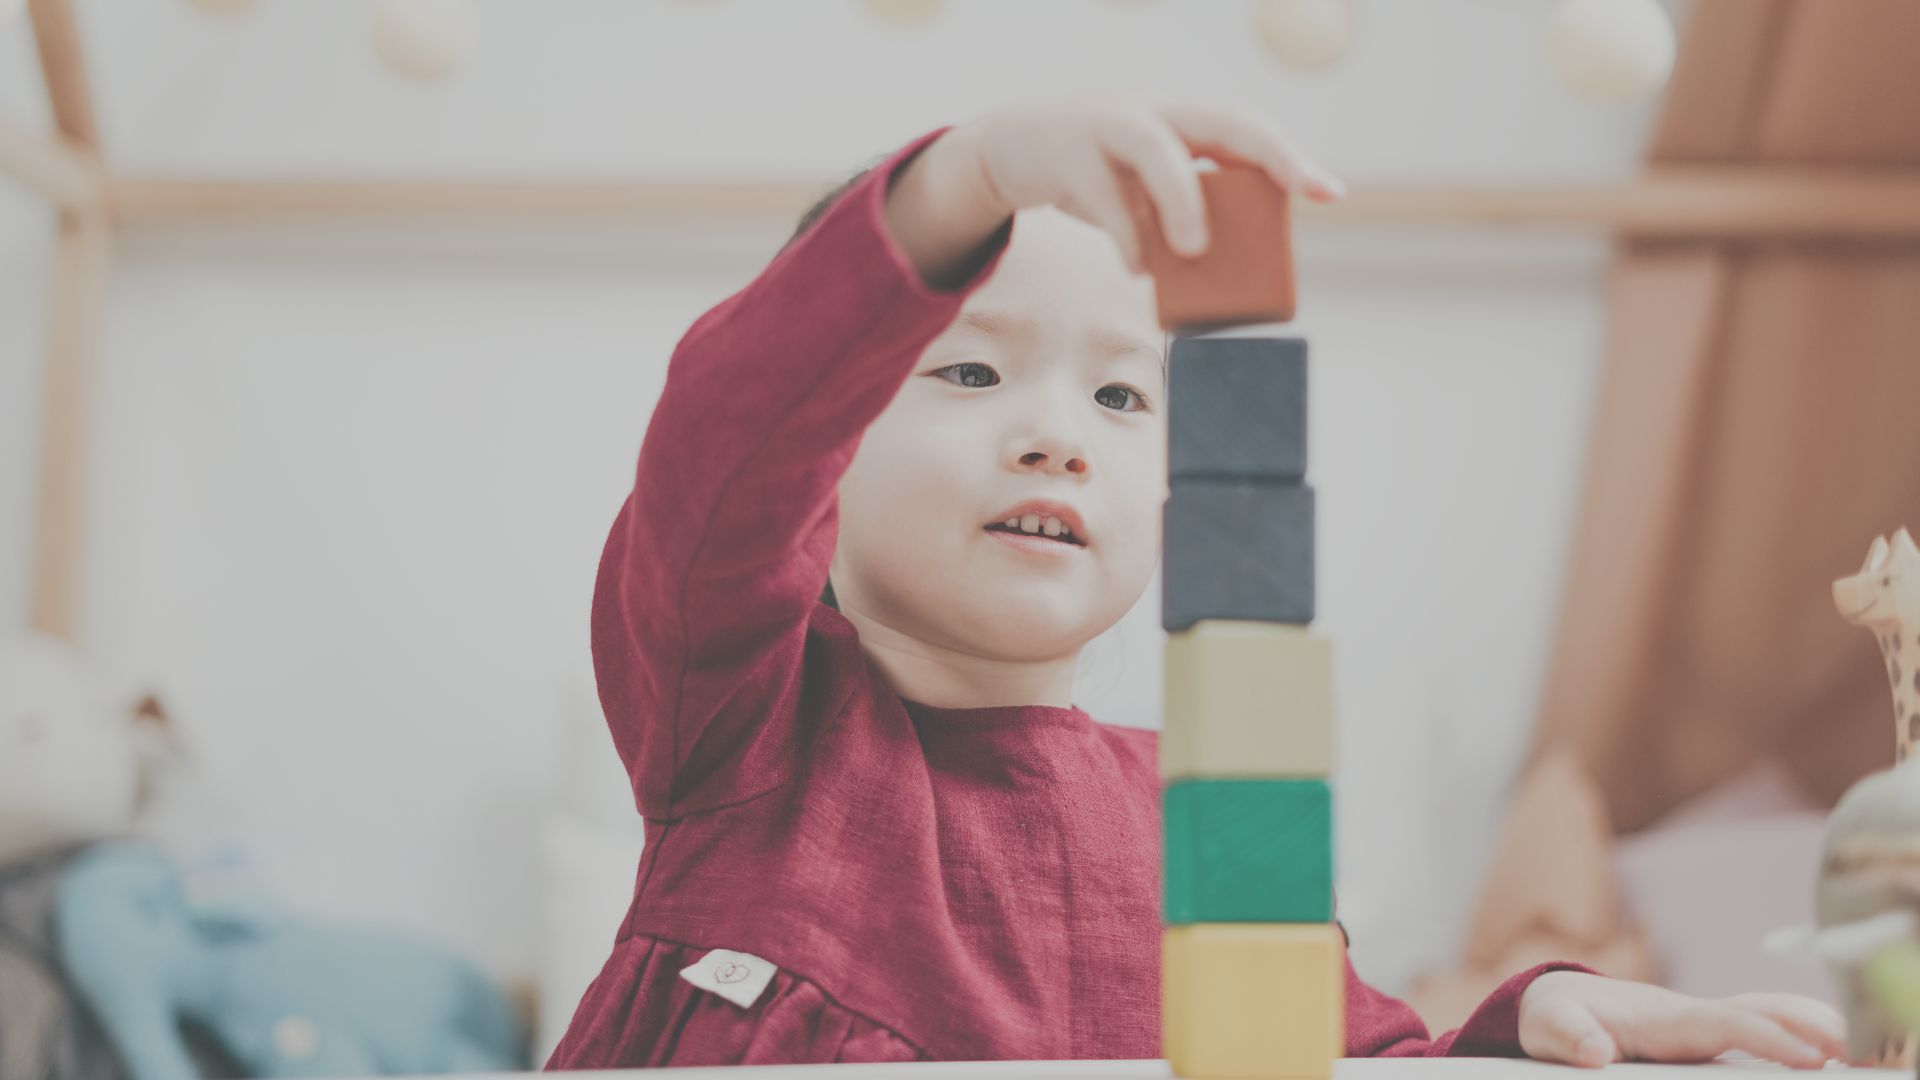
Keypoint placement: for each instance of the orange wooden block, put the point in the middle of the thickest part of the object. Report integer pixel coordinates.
(1246, 273)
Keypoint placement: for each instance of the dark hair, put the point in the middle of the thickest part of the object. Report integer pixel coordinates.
(825, 203)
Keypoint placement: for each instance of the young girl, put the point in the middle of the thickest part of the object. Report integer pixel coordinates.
(877, 828)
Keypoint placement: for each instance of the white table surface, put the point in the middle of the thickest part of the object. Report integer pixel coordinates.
(1348, 1069)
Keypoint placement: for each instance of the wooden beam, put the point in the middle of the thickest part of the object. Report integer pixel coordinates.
(80, 255)
(1723, 202)
(192, 202)
(68, 177)
(1707, 202)
(63, 67)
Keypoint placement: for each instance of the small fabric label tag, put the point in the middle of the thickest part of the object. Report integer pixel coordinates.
(739, 977)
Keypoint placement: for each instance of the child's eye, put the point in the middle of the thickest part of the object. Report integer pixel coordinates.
(969, 374)
(1116, 396)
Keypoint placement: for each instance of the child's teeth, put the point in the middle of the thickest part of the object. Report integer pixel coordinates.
(1013, 523)
(1030, 523)
(1053, 526)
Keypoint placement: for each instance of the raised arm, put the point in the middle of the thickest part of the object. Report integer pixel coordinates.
(719, 555)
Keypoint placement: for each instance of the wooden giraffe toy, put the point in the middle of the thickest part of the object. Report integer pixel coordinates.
(1884, 597)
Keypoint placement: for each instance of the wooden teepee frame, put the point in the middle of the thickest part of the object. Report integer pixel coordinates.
(94, 203)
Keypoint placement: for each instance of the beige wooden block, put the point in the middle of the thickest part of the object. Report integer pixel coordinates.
(1247, 699)
(1253, 999)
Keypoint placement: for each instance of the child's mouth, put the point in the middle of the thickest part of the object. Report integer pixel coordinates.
(1037, 529)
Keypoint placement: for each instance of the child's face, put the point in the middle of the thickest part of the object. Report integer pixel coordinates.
(1049, 388)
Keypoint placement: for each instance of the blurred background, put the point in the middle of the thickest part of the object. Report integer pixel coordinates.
(329, 331)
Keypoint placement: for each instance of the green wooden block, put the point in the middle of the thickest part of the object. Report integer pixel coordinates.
(1240, 850)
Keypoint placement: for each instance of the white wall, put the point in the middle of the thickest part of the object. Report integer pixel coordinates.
(25, 240)
(351, 487)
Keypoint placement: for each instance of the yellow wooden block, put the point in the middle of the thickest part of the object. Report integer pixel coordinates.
(1247, 699)
(1246, 1000)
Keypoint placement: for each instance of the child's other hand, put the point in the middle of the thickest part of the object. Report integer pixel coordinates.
(1077, 156)
(1590, 1020)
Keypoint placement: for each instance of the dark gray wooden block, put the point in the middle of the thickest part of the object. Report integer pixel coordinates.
(1237, 407)
(1237, 549)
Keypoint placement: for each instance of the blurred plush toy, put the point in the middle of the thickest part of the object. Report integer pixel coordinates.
(282, 997)
(74, 767)
(70, 756)
(1868, 896)
(1867, 900)
(1893, 980)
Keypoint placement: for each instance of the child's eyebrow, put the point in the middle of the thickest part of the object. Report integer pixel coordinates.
(996, 324)
(1104, 340)
(1118, 343)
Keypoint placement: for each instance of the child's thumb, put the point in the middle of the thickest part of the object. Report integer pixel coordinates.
(1565, 1030)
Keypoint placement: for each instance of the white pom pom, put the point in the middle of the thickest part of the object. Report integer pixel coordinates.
(903, 13)
(424, 40)
(1613, 50)
(224, 7)
(1306, 34)
(10, 10)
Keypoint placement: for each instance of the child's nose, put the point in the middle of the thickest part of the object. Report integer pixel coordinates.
(1054, 459)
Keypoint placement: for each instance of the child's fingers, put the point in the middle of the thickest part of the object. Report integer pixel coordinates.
(1813, 1022)
(1098, 201)
(1566, 1031)
(1231, 137)
(1736, 1028)
(1147, 147)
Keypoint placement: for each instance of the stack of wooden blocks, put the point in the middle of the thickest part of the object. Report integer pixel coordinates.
(1253, 963)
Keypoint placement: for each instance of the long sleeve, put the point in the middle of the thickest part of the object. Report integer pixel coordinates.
(717, 560)
(1382, 1026)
